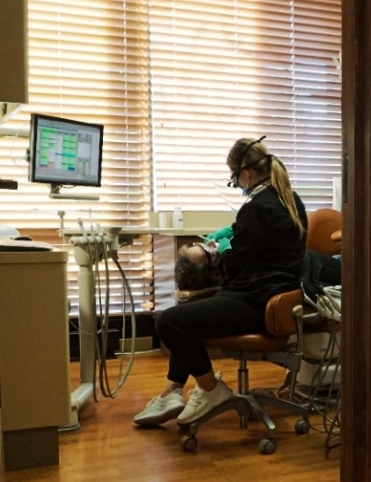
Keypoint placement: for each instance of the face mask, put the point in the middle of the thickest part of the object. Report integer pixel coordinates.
(245, 191)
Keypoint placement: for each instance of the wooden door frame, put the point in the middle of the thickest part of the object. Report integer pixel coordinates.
(355, 464)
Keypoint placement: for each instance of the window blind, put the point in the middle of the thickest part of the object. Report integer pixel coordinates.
(244, 68)
(88, 61)
(175, 83)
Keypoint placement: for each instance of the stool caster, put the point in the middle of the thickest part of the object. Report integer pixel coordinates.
(188, 443)
(302, 427)
(267, 446)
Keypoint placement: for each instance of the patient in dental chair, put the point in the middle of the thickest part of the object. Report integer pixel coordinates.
(198, 271)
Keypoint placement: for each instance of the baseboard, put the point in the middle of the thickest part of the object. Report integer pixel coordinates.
(144, 343)
(144, 329)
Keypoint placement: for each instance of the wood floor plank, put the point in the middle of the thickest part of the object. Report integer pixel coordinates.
(108, 447)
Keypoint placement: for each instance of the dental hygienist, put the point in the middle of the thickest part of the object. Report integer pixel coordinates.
(262, 257)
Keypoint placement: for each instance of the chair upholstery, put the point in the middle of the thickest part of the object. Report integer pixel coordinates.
(283, 317)
(279, 322)
(322, 223)
(337, 236)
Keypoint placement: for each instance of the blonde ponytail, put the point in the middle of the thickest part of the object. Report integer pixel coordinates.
(280, 181)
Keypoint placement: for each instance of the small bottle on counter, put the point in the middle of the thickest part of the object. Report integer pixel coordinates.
(178, 218)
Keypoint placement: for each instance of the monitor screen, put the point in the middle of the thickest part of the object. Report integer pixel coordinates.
(65, 152)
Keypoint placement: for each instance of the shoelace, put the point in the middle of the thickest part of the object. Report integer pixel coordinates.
(218, 376)
(195, 398)
(151, 402)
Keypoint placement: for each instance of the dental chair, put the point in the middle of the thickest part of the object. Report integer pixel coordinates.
(319, 374)
(283, 317)
(324, 236)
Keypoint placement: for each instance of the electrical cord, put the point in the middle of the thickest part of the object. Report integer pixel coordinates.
(126, 289)
(26, 157)
(104, 383)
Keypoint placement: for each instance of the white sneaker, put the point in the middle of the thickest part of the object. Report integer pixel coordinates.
(202, 402)
(161, 409)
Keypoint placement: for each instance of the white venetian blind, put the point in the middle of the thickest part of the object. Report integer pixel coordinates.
(175, 83)
(88, 61)
(221, 70)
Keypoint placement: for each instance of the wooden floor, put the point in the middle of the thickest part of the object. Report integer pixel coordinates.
(109, 448)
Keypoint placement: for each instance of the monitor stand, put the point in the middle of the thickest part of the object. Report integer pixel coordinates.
(56, 194)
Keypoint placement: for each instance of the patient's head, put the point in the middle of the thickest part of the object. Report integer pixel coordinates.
(197, 267)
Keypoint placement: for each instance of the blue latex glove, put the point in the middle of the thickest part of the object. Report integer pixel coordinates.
(224, 245)
(220, 234)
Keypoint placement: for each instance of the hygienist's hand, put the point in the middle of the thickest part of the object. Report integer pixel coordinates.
(220, 234)
(224, 245)
(213, 245)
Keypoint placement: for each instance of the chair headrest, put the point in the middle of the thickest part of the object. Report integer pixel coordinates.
(279, 319)
(321, 225)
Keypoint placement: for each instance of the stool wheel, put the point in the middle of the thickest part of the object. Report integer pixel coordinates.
(188, 443)
(301, 427)
(267, 446)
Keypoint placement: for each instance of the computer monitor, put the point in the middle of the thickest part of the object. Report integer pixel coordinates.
(65, 152)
